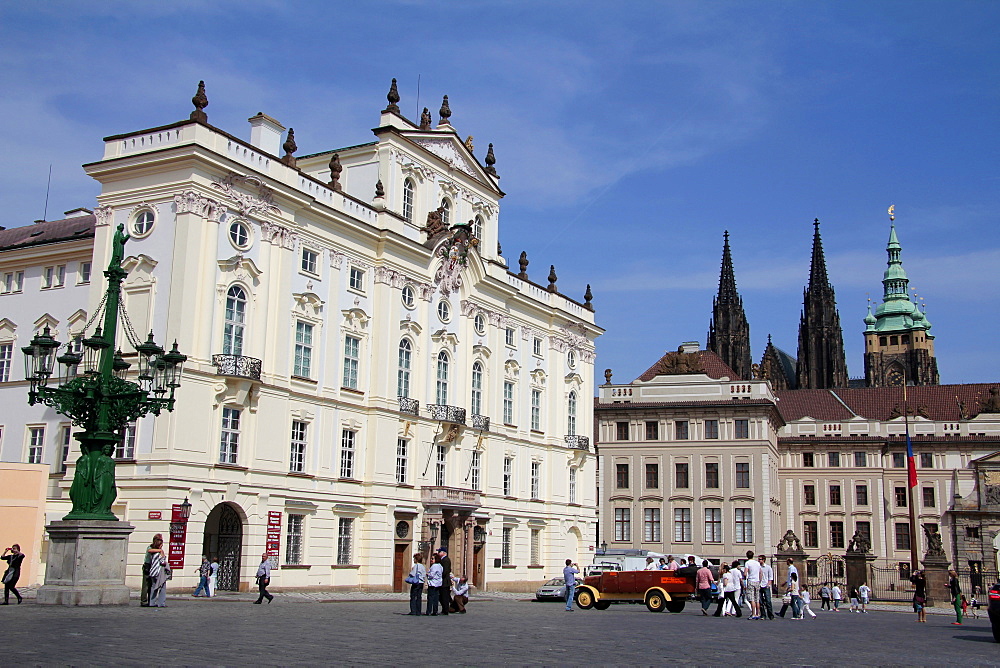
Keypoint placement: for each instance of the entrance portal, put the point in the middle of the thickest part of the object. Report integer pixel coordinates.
(224, 541)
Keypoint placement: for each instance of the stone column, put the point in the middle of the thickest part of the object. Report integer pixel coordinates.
(936, 573)
(86, 563)
(857, 568)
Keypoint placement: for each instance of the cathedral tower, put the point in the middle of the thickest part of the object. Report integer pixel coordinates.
(898, 342)
(821, 362)
(728, 330)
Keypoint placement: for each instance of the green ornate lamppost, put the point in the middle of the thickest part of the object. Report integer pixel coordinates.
(93, 392)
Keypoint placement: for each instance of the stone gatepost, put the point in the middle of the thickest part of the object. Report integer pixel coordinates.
(86, 563)
(857, 568)
(936, 574)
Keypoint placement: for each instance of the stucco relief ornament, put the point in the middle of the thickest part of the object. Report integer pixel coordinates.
(454, 253)
(260, 204)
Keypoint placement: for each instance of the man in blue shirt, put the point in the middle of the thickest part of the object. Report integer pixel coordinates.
(569, 576)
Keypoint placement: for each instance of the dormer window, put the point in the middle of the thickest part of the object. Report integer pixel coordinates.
(446, 211)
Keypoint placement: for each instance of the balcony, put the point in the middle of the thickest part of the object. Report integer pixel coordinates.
(443, 413)
(578, 442)
(409, 406)
(450, 497)
(237, 366)
(481, 422)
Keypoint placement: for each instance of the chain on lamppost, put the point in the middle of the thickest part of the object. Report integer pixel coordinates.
(99, 399)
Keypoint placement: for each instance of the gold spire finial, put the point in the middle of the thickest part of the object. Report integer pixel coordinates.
(892, 212)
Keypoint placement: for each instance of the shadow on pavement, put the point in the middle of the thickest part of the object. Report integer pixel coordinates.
(988, 639)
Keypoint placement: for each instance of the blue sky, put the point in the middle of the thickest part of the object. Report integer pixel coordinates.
(628, 136)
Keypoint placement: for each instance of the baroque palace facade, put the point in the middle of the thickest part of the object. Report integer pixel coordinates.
(697, 457)
(366, 378)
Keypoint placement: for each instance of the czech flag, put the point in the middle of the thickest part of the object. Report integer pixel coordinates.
(911, 462)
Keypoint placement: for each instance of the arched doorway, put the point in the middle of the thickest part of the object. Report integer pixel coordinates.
(224, 540)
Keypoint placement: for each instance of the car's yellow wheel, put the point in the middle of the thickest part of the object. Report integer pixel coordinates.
(585, 599)
(655, 601)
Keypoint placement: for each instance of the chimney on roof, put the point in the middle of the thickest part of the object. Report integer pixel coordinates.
(78, 213)
(689, 347)
(265, 133)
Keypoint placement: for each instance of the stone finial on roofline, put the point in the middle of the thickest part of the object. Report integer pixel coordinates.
(393, 98)
(335, 170)
(523, 263)
(289, 147)
(491, 160)
(588, 298)
(200, 101)
(379, 189)
(552, 279)
(445, 112)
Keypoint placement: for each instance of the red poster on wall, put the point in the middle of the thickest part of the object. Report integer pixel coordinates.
(178, 537)
(273, 545)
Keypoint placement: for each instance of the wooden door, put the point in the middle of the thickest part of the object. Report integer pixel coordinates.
(399, 566)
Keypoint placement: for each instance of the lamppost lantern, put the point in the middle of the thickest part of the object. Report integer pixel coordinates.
(185, 509)
(69, 365)
(92, 348)
(39, 358)
(604, 546)
(119, 366)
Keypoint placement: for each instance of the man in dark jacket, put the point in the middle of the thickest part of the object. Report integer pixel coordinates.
(445, 588)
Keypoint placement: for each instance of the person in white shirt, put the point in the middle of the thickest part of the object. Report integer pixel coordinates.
(751, 588)
(788, 585)
(650, 564)
(864, 593)
(766, 577)
(459, 593)
(737, 574)
(805, 603)
(838, 596)
(728, 591)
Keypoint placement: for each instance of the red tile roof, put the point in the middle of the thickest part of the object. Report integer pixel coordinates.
(935, 402)
(820, 404)
(711, 364)
(68, 229)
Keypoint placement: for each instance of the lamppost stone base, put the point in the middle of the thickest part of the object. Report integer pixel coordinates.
(86, 563)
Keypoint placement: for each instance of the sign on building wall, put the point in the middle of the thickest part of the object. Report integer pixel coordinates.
(178, 537)
(273, 546)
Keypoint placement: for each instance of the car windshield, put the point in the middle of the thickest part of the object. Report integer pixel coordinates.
(555, 582)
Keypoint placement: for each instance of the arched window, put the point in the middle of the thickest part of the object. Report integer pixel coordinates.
(403, 372)
(441, 396)
(408, 188)
(477, 389)
(477, 227)
(236, 316)
(571, 414)
(446, 211)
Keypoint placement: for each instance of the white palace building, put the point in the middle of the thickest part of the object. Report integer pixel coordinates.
(364, 371)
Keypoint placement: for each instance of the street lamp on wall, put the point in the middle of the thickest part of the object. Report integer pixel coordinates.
(185, 510)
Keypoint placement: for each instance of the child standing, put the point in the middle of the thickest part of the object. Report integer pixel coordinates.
(854, 599)
(805, 603)
(864, 594)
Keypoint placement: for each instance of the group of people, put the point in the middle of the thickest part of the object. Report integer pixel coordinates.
(156, 572)
(957, 598)
(446, 592)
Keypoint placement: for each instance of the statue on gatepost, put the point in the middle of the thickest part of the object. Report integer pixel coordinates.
(934, 545)
(790, 543)
(859, 543)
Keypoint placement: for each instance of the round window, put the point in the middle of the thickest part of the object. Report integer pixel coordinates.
(444, 311)
(402, 529)
(407, 296)
(143, 223)
(239, 235)
(480, 324)
(571, 359)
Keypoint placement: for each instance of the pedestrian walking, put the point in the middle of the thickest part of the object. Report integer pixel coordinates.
(159, 573)
(703, 581)
(824, 594)
(837, 596)
(728, 593)
(737, 573)
(13, 572)
(569, 577)
(766, 582)
(433, 586)
(146, 562)
(975, 605)
(204, 572)
(416, 579)
(263, 579)
(919, 595)
(459, 593)
(854, 599)
(796, 594)
(751, 589)
(213, 579)
(445, 595)
(956, 596)
(792, 570)
(864, 595)
(806, 599)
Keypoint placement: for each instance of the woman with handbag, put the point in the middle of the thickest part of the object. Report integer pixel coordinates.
(416, 581)
(919, 595)
(13, 572)
(159, 573)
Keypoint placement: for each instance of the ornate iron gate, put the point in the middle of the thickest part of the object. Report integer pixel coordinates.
(230, 548)
(825, 569)
(890, 583)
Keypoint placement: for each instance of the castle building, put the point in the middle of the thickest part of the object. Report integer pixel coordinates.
(366, 379)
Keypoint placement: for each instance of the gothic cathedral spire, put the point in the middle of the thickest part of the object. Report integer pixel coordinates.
(728, 330)
(821, 361)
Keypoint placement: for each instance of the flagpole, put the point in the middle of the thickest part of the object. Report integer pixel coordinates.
(911, 466)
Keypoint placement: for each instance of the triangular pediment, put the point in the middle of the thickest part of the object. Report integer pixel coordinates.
(450, 150)
(992, 458)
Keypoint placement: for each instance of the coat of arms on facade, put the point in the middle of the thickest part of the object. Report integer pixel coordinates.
(454, 254)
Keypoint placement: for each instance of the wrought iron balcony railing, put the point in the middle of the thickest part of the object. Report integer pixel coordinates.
(453, 497)
(408, 405)
(578, 442)
(444, 413)
(480, 422)
(237, 365)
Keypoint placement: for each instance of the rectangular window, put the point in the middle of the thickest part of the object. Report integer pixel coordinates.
(810, 533)
(712, 475)
(18, 281)
(812, 569)
(230, 444)
(861, 495)
(899, 460)
(60, 277)
(352, 359)
(836, 534)
(681, 430)
(743, 475)
(900, 497)
(508, 337)
(572, 485)
(926, 460)
(808, 459)
(835, 499)
(713, 525)
(536, 480)
(902, 535)
(47, 275)
(711, 429)
(347, 441)
(972, 532)
(834, 459)
(402, 460)
(6, 361)
(293, 539)
(623, 524)
(357, 279)
(36, 444)
(682, 525)
(297, 460)
(536, 410)
(651, 525)
(309, 259)
(681, 475)
(621, 476)
(744, 525)
(860, 459)
(508, 403)
(506, 555)
(536, 546)
(864, 529)
(508, 476)
(536, 347)
(303, 349)
(84, 272)
(475, 472)
(65, 440)
(742, 428)
(652, 476)
(809, 495)
(440, 465)
(652, 431)
(125, 449)
(344, 539)
(8, 283)
(928, 497)
(621, 431)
